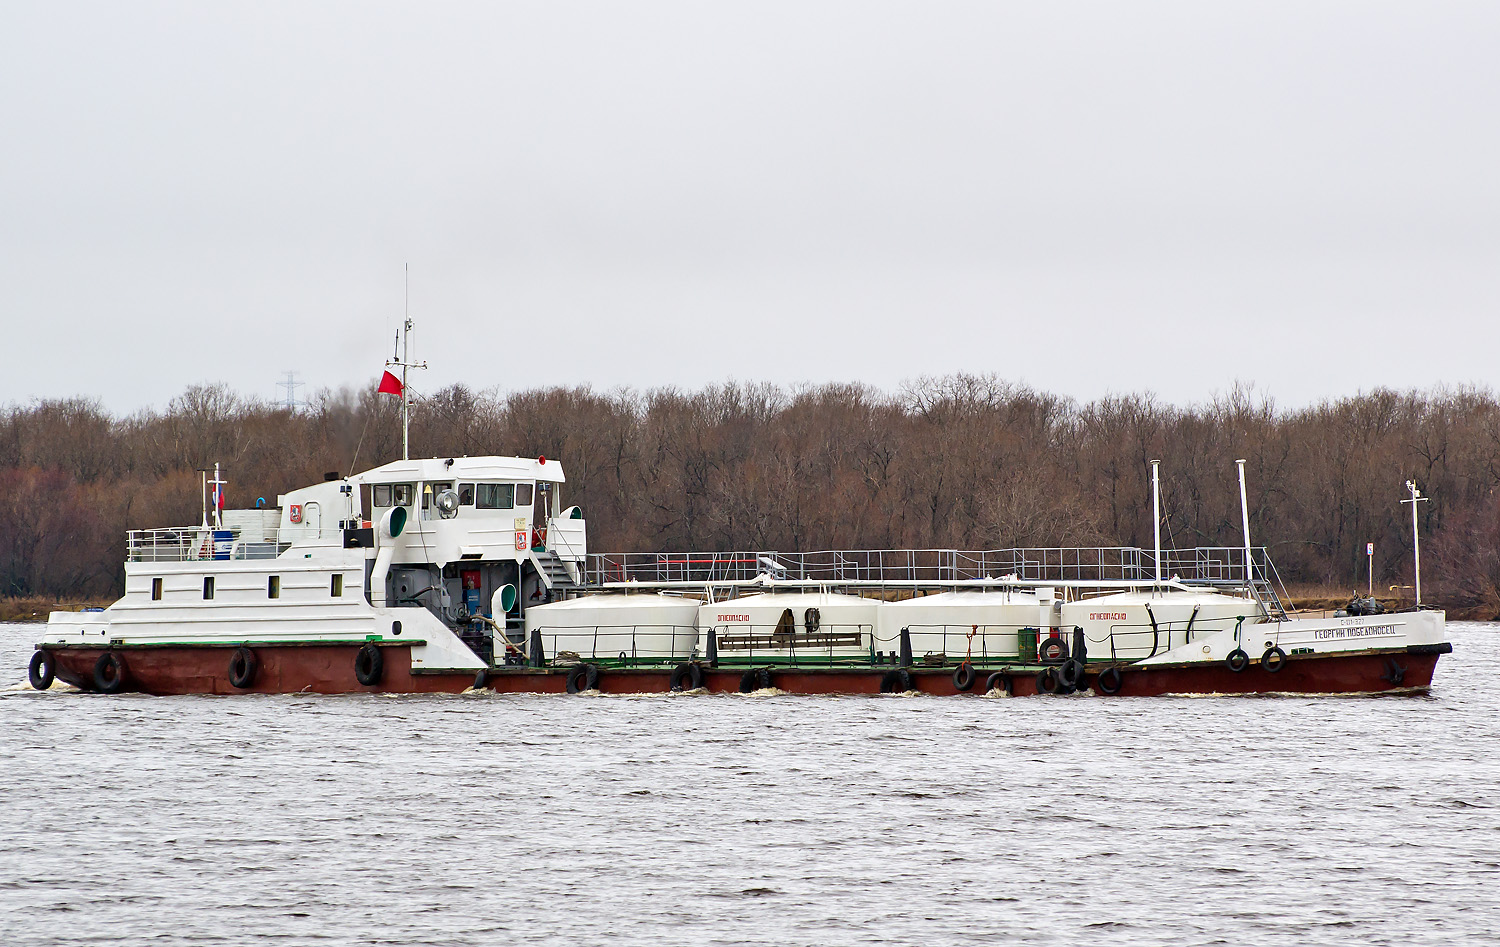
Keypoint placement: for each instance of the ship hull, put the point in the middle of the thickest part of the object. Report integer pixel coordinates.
(329, 668)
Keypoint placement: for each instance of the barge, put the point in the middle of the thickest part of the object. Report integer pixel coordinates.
(449, 574)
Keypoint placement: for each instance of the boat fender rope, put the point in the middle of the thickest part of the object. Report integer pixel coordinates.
(583, 677)
(687, 677)
(1237, 660)
(369, 664)
(110, 673)
(1047, 682)
(43, 669)
(242, 667)
(998, 681)
(1110, 680)
(1273, 660)
(964, 677)
(896, 681)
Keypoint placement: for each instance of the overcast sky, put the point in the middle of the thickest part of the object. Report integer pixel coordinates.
(1089, 198)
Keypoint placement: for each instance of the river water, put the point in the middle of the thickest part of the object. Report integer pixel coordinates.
(782, 820)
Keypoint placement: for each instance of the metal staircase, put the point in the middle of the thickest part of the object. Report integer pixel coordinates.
(558, 575)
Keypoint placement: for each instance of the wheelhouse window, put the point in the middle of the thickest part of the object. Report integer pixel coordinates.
(208, 587)
(466, 494)
(336, 587)
(496, 496)
(156, 590)
(273, 586)
(393, 494)
(523, 494)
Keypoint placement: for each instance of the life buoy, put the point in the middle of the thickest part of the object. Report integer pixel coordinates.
(999, 681)
(110, 673)
(896, 681)
(964, 676)
(1237, 660)
(1052, 651)
(1110, 680)
(242, 667)
(42, 670)
(1047, 682)
(686, 677)
(369, 664)
(1273, 660)
(583, 677)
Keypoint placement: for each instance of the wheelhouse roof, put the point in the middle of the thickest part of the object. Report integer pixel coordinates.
(464, 468)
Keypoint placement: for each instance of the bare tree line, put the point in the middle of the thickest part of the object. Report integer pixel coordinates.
(957, 461)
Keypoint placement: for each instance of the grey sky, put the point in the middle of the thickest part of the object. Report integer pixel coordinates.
(1087, 197)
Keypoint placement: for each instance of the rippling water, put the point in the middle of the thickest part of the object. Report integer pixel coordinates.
(781, 820)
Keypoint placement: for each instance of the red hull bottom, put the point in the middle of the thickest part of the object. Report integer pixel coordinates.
(329, 669)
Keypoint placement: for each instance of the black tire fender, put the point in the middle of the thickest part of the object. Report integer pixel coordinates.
(896, 681)
(1052, 651)
(755, 679)
(1273, 660)
(686, 677)
(583, 677)
(1070, 673)
(1110, 680)
(369, 664)
(1047, 682)
(999, 681)
(43, 669)
(110, 673)
(1237, 660)
(243, 666)
(964, 677)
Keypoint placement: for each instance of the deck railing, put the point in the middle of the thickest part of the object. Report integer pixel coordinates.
(1206, 564)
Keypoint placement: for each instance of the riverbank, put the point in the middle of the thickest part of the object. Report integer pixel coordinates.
(35, 608)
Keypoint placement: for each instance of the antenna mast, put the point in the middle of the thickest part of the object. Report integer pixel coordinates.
(404, 360)
(1416, 542)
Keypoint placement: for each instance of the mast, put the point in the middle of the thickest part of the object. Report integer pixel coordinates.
(1245, 525)
(1156, 513)
(404, 360)
(1416, 542)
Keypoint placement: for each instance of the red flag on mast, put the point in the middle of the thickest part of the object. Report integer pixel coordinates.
(389, 384)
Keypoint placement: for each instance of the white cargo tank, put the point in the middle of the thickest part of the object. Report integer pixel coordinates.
(806, 627)
(941, 624)
(634, 628)
(1135, 625)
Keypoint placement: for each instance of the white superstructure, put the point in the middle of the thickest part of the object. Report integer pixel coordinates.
(448, 552)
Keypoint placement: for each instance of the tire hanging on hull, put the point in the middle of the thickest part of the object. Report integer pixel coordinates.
(42, 670)
(110, 673)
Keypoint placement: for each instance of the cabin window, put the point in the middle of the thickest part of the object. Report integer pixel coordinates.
(402, 493)
(466, 494)
(273, 586)
(382, 494)
(156, 590)
(336, 587)
(523, 495)
(496, 496)
(208, 587)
